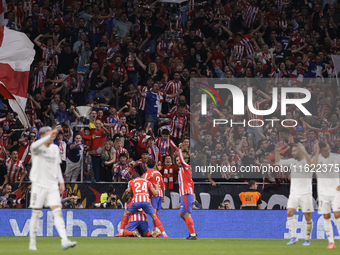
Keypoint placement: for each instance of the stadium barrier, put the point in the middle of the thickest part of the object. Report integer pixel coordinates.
(273, 197)
(208, 223)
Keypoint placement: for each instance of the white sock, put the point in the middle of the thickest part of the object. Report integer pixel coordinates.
(338, 224)
(59, 223)
(163, 233)
(329, 230)
(309, 229)
(291, 226)
(193, 234)
(34, 225)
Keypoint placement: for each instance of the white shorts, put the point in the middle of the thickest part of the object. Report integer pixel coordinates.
(41, 197)
(303, 201)
(327, 203)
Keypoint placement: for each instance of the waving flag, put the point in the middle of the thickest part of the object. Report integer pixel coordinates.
(16, 56)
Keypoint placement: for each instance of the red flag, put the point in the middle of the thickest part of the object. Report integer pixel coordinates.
(16, 56)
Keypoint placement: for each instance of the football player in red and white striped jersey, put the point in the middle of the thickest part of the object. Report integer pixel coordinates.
(155, 177)
(141, 189)
(186, 191)
(15, 169)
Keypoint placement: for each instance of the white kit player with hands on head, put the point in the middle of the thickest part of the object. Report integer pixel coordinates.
(300, 188)
(328, 187)
(47, 185)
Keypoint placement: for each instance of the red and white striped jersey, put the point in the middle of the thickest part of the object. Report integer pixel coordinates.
(141, 100)
(155, 177)
(14, 170)
(138, 216)
(18, 13)
(154, 153)
(117, 128)
(172, 88)
(125, 171)
(178, 126)
(119, 151)
(140, 189)
(5, 140)
(174, 109)
(2, 156)
(164, 45)
(164, 146)
(249, 15)
(38, 79)
(141, 163)
(296, 77)
(4, 123)
(259, 106)
(249, 46)
(186, 185)
(97, 27)
(239, 51)
(50, 55)
(110, 119)
(23, 152)
(75, 84)
(27, 7)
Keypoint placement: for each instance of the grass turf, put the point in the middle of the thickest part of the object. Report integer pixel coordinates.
(160, 246)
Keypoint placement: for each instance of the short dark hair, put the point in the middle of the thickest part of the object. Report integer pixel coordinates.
(150, 163)
(322, 144)
(251, 183)
(145, 152)
(165, 132)
(122, 155)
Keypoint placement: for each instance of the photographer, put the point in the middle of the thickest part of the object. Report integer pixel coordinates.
(110, 200)
(113, 202)
(226, 205)
(72, 202)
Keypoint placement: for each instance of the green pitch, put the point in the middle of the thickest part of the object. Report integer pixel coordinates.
(161, 246)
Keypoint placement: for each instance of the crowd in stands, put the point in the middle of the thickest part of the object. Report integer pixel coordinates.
(120, 58)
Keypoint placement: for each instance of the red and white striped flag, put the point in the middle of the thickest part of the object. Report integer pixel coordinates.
(16, 56)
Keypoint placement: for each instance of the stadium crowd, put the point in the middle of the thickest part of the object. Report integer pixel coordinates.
(120, 58)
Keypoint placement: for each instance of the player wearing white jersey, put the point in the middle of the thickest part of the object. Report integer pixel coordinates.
(328, 187)
(300, 188)
(47, 185)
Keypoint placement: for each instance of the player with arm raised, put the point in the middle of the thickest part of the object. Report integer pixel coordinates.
(47, 185)
(300, 188)
(141, 199)
(186, 191)
(328, 187)
(155, 177)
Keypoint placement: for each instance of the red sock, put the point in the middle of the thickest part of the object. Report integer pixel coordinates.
(128, 233)
(190, 225)
(157, 215)
(124, 222)
(148, 234)
(158, 224)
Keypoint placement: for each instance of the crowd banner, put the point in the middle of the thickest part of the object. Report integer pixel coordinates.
(105, 222)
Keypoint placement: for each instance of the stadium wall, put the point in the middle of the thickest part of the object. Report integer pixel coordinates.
(273, 197)
(208, 223)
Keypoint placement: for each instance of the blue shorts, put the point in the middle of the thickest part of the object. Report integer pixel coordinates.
(186, 203)
(146, 206)
(157, 202)
(140, 225)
